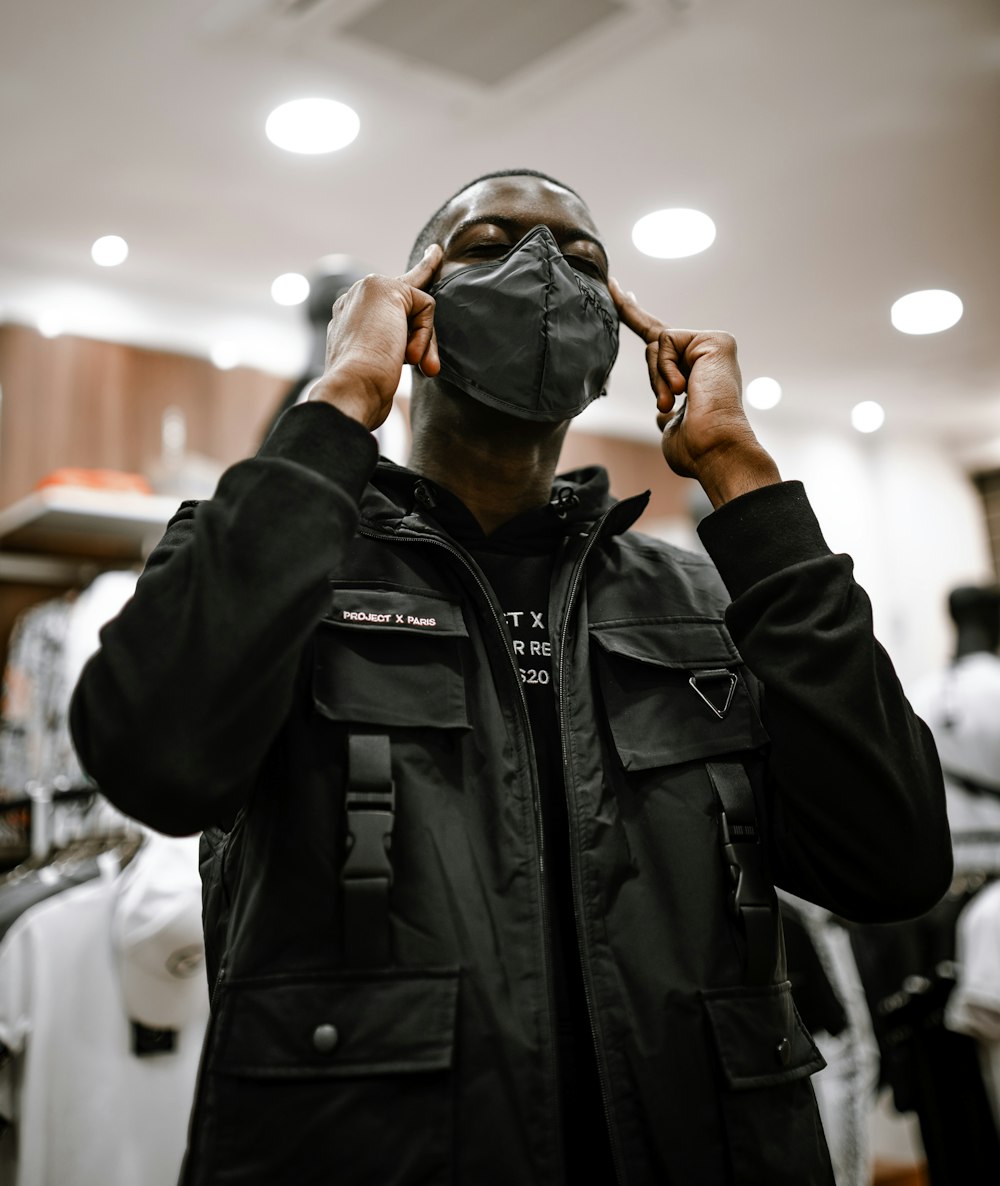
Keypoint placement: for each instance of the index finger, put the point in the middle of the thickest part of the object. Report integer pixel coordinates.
(633, 315)
(421, 272)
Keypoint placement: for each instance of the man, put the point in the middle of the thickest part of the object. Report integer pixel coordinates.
(491, 803)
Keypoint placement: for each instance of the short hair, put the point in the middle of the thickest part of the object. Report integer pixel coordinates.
(432, 227)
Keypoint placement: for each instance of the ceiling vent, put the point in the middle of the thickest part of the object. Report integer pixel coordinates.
(485, 42)
(458, 48)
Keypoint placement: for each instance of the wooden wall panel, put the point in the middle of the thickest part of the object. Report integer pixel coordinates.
(74, 402)
(71, 401)
(633, 466)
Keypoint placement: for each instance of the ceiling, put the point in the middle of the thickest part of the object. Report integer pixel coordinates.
(848, 151)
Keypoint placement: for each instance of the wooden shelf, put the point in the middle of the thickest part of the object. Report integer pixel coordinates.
(73, 522)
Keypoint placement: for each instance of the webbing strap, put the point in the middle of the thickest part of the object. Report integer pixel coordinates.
(751, 897)
(370, 803)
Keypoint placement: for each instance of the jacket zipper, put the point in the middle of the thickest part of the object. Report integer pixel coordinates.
(490, 599)
(574, 586)
(220, 975)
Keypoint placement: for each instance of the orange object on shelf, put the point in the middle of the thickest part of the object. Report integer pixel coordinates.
(113, 480)
(901, 1175)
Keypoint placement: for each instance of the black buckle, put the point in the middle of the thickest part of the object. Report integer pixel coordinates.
(369, 835)
(749, 887)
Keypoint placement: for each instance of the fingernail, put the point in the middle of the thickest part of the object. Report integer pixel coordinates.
(631, 295)
(428, 249)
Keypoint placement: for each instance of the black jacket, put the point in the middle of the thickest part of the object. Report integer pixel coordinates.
(273, 623)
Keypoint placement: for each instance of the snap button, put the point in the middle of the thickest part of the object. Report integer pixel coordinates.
(783, 1051)
(423, 495)
(325, 1038)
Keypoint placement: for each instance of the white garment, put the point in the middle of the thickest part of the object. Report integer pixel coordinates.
(974, 1005)
(87, 1111)
(961, 706)
(95, 606)
(846, 1088)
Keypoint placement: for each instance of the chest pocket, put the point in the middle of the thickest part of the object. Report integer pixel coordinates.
(391, 657)
(673, 691)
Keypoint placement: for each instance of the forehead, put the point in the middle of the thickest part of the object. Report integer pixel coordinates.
(531, 200)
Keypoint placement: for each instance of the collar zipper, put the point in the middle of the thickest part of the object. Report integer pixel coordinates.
(497, 613)
(576, 581)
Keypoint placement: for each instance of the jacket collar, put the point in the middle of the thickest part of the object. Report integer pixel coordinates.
(397, 499)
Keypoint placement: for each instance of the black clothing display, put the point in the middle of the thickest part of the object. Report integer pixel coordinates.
(908, 972)
(312, 664)
(18, 894)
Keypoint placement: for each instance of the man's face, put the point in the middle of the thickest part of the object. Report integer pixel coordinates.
(486, 220)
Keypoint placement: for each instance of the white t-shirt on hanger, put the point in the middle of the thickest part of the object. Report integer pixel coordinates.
(974, 1005)
(961, 705)
(85, 1108)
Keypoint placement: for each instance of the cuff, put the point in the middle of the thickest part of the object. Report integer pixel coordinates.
(320, 437)
(760, 533)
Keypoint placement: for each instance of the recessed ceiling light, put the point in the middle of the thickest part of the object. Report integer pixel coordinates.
(50, 325)
(868, 416)
(312, 125)
(224, 355)
(926, 312)
(290, 288)
(673, 234)
(109, 251)
(763, 393)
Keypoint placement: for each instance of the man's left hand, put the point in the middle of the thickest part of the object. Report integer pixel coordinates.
(709, 436)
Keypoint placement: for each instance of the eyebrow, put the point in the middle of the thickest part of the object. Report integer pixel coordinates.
(512, 225)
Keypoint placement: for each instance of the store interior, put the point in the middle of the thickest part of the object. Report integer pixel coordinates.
(846, 155)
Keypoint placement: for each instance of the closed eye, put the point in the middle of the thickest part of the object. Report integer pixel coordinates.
(492, 249)
(486, 249)
(583, 264)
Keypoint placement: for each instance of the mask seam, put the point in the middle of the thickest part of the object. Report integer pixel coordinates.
(546, 327)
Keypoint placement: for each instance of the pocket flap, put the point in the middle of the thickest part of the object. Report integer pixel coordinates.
(673, 691)
(760, 1037)
(391, 657)
(684, 643)
(338, 1026)
(399, 610)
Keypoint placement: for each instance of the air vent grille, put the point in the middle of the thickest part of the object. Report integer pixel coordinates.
(455, 56)
(484, 41)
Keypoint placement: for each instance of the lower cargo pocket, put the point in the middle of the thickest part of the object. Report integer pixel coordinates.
(331, 1078)
(765, 1057)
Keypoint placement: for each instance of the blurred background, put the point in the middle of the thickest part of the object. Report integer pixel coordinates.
(157, 246)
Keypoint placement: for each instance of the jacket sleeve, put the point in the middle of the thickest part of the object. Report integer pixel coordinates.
(174, 714)
(855, 813)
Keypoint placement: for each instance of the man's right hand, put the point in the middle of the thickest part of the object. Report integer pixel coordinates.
(379, 324)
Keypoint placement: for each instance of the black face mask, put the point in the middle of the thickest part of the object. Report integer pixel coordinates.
(526, 333)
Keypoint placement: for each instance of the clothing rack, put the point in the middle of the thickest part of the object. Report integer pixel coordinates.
(42, 801)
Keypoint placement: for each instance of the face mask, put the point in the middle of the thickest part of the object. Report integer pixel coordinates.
(526, 333)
